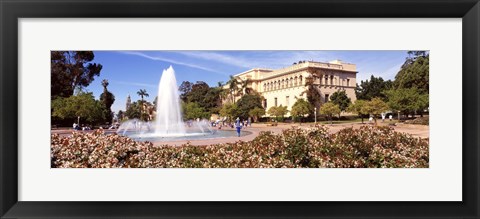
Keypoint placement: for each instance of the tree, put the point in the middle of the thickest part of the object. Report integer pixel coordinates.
(313, 94)
(81, 105)
(407, 101)
(414, 72)
(373, 88)
(198, 93)
(193, 110)
(230, 111)
(142, 93)
(134, 111)
(256, 113)
(212, 101)
(278, 111)
(120, 115)
(71, 70)
(358, 108)
(247, 103)
(234, 87)
(185, 88)
(375, 107)
(341, 99)
(329, 109)
(107, 100)
(300, 109)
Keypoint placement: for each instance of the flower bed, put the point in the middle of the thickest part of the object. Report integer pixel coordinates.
(366, 147)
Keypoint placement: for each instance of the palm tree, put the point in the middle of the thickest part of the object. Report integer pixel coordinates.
(233, 87)
(142, 93)
(244, 89)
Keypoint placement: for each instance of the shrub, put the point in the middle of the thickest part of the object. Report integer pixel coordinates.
(366, 147)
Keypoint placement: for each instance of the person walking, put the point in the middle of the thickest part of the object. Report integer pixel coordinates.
(238, 125)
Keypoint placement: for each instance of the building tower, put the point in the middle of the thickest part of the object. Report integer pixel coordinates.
(129, 102)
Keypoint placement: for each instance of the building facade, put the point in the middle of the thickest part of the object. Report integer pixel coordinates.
(284, 86)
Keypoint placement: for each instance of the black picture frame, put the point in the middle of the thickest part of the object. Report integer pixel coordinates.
(11, 11)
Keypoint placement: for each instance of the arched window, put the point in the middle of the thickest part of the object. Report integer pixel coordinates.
(295, 83)
(291, 82)
(283, 83)
(286, 83)
(300, 79)
(275, 85)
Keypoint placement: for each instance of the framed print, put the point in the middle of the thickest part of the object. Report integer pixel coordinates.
(239, 109)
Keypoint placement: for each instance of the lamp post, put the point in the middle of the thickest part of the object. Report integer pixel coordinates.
(315, 112)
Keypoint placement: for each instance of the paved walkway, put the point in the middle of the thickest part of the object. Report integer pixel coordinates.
(415, 130)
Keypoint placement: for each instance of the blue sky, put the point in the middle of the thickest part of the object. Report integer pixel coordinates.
(129, 71)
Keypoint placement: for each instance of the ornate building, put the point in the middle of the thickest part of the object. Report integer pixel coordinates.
(129, 102)
(283, 86)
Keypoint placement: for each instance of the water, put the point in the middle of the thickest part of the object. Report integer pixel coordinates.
(168, 122)
(189, 136)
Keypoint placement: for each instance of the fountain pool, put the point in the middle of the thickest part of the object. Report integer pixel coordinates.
(168, 124)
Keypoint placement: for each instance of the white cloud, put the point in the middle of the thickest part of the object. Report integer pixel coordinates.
(158, 58)
(262, 59)
(135, 84)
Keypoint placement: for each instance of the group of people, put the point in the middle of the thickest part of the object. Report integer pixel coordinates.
(83, 127)
(383, 118)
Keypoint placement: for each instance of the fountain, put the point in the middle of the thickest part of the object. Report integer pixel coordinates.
(168, 124)
(169, 120)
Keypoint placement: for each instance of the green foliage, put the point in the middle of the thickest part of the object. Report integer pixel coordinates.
(81, 105)
(329, 109)
(185, 88)
(205, 96)
(233, 87)
(212, 100)
(248, 102)
(230, 111)
(71, 70)
(373, 88)
(358, 108)
(134, 111)
(407, 100)
(278, 111)
(193, 110)
(142, 93)
(143, 115)
(313, 94)
(341, 99)
(107, 99)
(414, 72)
(301, 108)
(375, 107)
(198, 92)
(120, 115)
(256, 113)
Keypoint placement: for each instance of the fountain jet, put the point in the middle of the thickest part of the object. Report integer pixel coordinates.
(169, 117)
